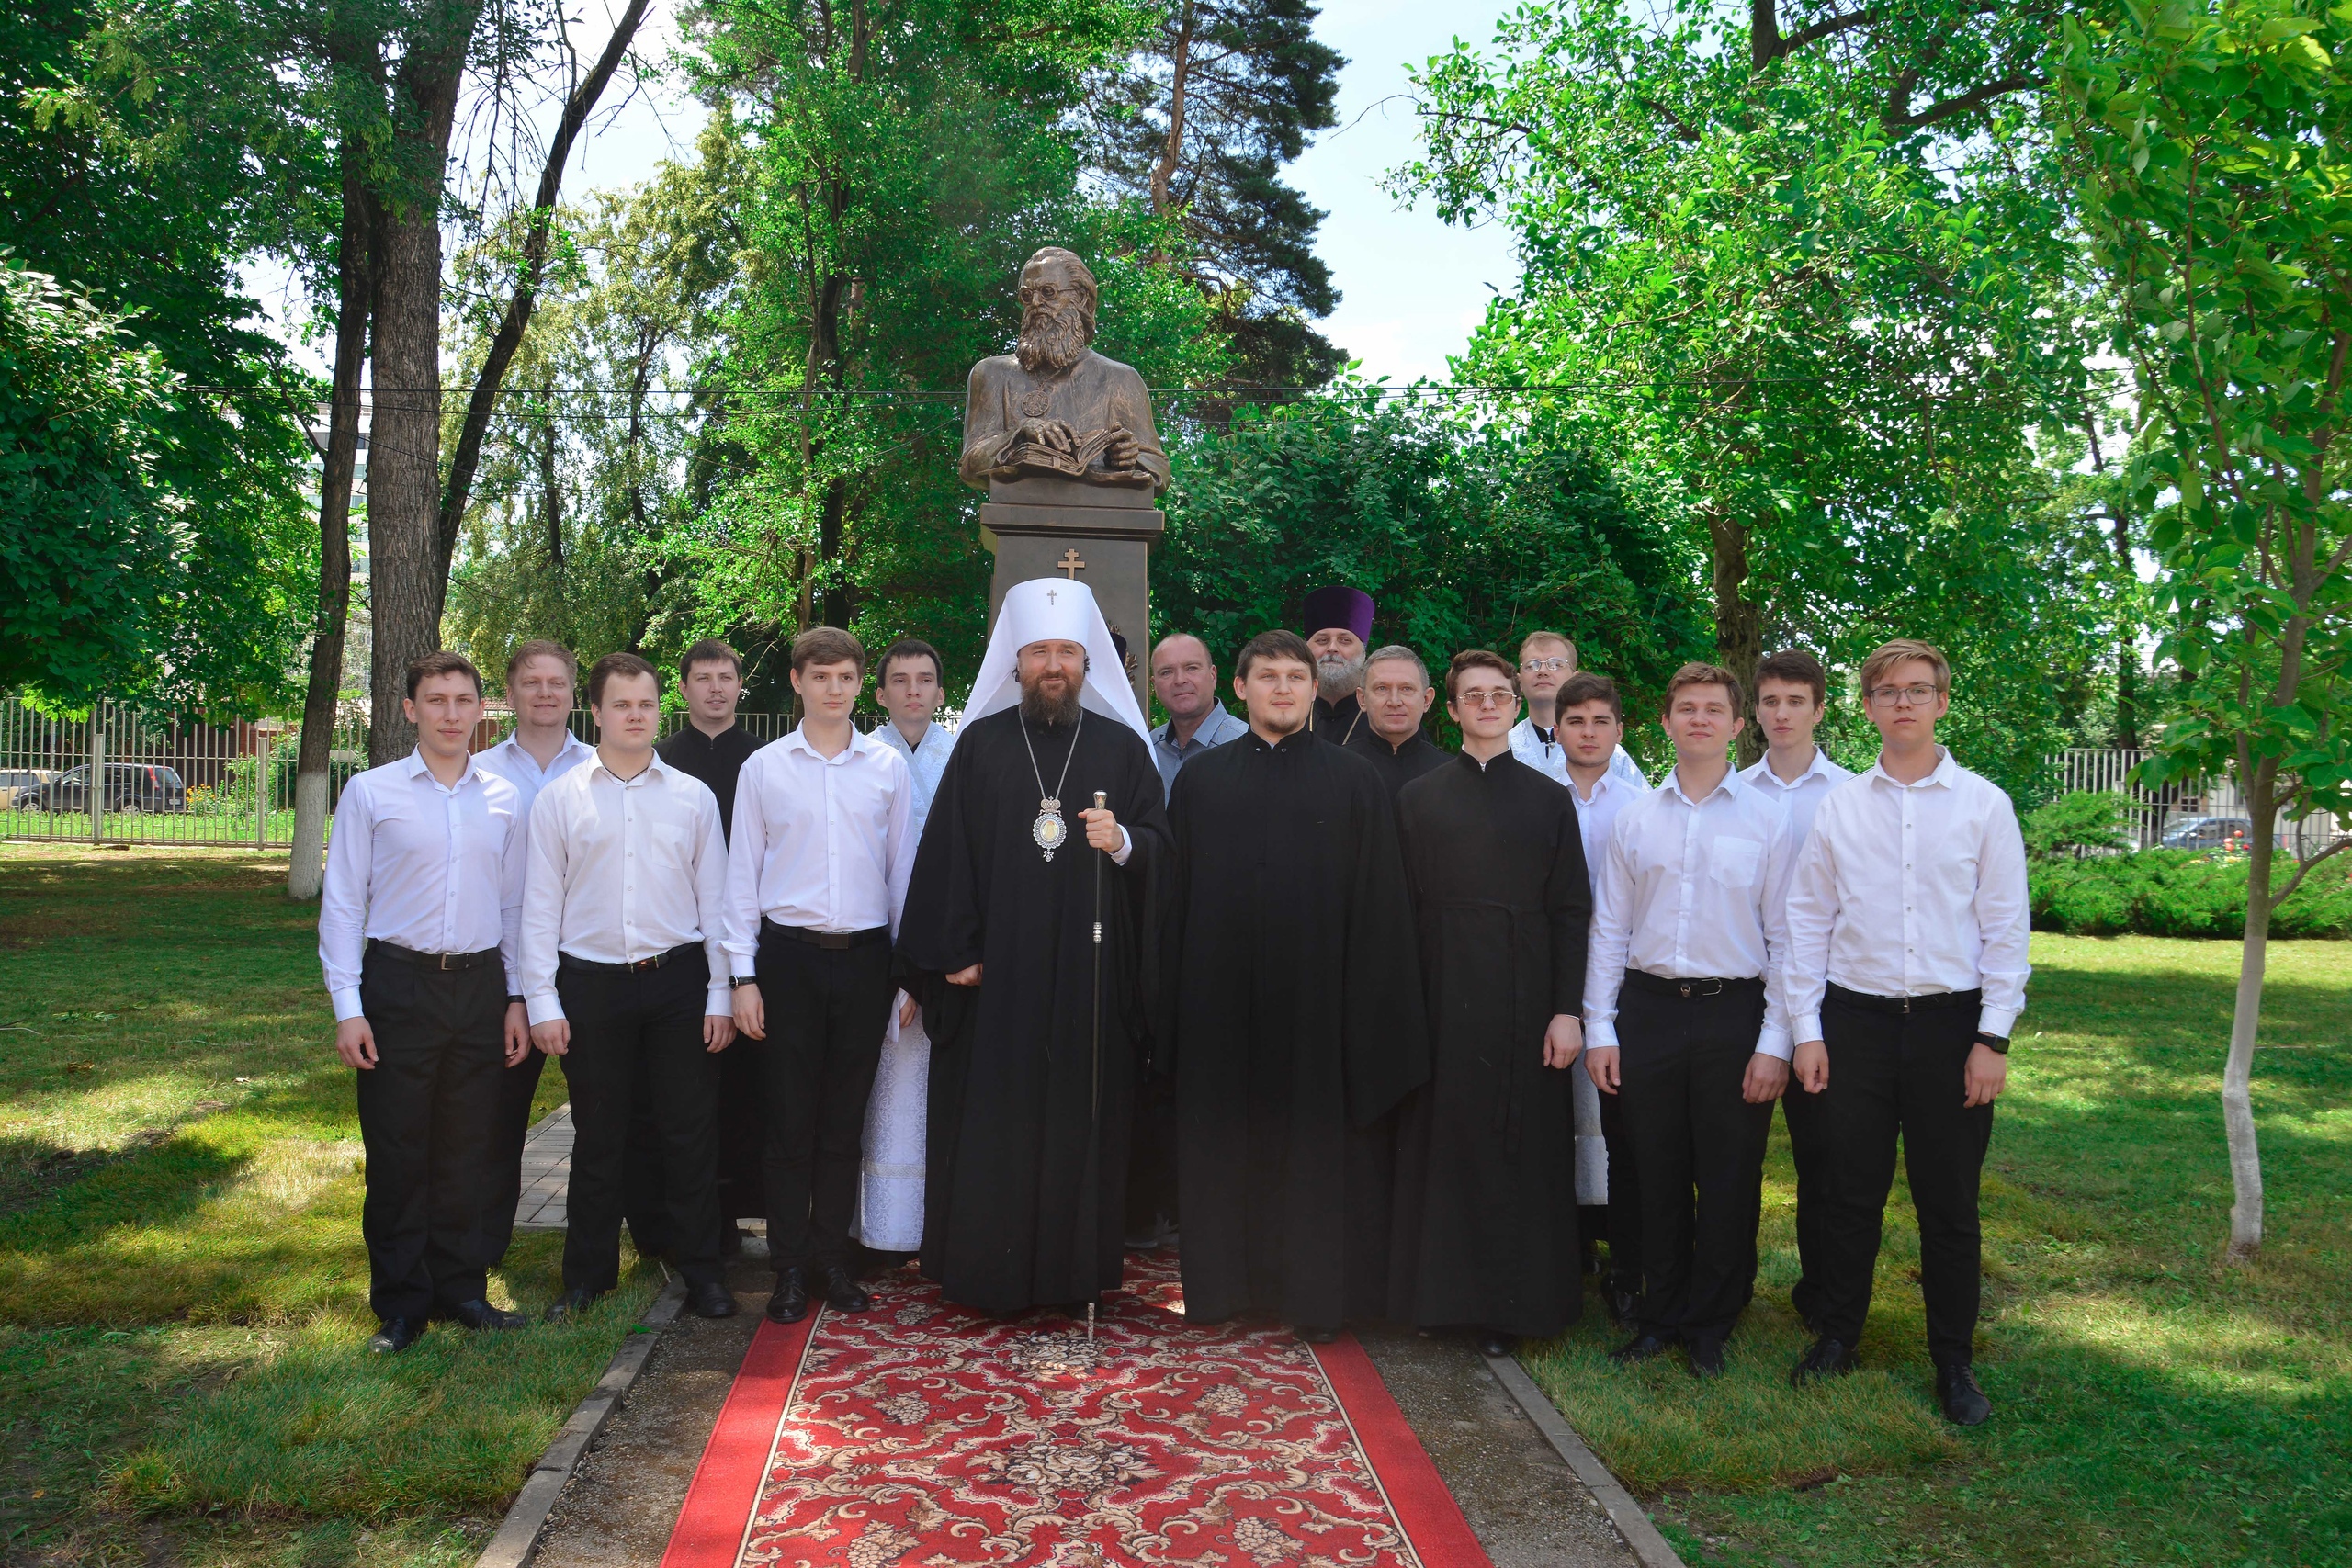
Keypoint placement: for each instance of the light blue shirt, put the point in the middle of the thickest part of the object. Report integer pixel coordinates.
(1170, 758)
(926, 760)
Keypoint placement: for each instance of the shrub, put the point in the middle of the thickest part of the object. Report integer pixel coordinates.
(2179, 892)
(2083, 820)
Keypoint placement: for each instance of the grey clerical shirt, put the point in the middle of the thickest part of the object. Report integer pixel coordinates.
(1169, 757)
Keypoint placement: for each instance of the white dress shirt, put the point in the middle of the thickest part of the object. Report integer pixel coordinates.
(420, 864)
(1801, 796)
(926, 760)
(1551, 759)
(1911, 890)
(1610, 795)
(1690, 890)
(621, 870)
(519, 768)
(825, 843)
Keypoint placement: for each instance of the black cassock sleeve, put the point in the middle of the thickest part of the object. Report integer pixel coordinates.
(1568, 899)
(1387, 1031)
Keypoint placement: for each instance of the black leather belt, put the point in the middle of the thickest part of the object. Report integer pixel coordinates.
(379, 948)
(1937, 1002)
(565, 961)
(1687, 989)
(831, 941)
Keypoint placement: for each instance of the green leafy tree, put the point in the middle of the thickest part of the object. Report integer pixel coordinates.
(2210, 140)
(905, 158)
(1800, 265)
(1197, 124)
(1465, 537)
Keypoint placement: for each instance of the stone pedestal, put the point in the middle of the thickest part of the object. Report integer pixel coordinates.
(1098, 535)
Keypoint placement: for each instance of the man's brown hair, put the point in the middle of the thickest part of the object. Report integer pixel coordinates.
(908, 648)
(827, 645)
(627, 666)
(1703, 675)
(709, 650)
(1471, 658)
(1903, 650)
(1583, 687)
(442, 663)
(1275, 643)
(541, 648)
(1798, 668)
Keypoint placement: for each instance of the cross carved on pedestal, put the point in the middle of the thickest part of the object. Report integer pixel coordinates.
(1069, 566)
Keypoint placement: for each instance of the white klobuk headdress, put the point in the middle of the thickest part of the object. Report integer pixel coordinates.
(1049, 609)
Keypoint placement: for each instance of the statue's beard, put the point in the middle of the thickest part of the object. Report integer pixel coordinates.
(1052, 339)
(1338, 676)
(1041, 708)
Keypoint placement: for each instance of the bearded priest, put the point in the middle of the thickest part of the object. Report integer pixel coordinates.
(1036, 1032)
(1297, 1022)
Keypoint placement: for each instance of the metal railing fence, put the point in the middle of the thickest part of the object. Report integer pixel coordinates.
(163, 780)
(2197, 813)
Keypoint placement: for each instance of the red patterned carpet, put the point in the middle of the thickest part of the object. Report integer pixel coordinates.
(922, 1434)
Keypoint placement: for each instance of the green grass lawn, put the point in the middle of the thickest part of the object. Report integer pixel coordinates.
(2152, 1405)
(183, 1291)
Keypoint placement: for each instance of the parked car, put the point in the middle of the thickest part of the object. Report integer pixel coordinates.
(2229, 833)
(130, 787)
(20, 786)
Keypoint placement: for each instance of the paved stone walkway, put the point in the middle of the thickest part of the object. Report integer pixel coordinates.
(547, 1173)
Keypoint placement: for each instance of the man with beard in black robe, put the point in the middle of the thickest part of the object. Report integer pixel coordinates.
(1296, 1013)
(1339, 627)
(1032, 1062)
(1485, 1193)
(1395, 698)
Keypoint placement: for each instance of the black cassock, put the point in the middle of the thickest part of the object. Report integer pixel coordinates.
(1485, 1190)
(1296, 1028)
(1025, 1186)
(1397, 765)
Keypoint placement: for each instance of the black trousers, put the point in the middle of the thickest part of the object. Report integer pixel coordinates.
(1625, 1207)
(826, 1009)
(517, 1086)
(640, 1034)
(1810, 1145)
(1151, 1153)
(1699, 1149)
(428, 1113)
(1901, 1073)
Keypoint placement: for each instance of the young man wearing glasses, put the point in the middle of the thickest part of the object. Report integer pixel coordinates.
(1546, 659)
(1906, 973)
(1689, 939)
(1487, 1232)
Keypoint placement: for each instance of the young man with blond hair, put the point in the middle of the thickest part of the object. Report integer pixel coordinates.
(1546, 661)
(1684, 984)
(1907, 967)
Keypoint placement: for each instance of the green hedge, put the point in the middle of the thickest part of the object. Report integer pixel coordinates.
(2179, 893)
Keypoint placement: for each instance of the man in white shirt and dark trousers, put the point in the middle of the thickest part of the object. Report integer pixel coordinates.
(541, 677)
(1791, 694)
(1907, 943)
(625, 976)
(817, 875)
(1688, 938)
(417, 936)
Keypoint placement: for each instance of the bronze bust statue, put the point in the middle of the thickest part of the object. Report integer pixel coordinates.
(1054, 410)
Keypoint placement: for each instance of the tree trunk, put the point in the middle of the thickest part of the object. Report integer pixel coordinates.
(2127, 650)
(2245, 1017)
(1739, 623)
(354, 285)
(1172, 153)
(404, 470)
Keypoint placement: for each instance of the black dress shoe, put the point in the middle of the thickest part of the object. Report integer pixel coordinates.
(1706, 1358)
(1494, 1342)
(710, 1299)
(1316, 1336)
(479, 1313)
(1827, 1359)
(572, 1303)
(843, 1292)
(790, 1302)
(1641, 1347)
(396, 1335)
(1965, 1403)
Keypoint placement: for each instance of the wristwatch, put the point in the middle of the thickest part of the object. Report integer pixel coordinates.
(1999, 1043)
(512, 1000)
(738, 982)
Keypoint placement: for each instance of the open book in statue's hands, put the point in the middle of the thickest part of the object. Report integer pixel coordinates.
(1050, 447)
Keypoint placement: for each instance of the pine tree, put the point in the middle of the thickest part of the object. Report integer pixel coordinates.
(1199, 122)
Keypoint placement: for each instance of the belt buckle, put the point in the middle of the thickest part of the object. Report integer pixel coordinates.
(642, 964)
(1686, 990)
(1906, 1006)
(441, 961)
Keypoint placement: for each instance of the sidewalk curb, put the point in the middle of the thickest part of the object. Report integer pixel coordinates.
(519, 1534)
(1650, 1547)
